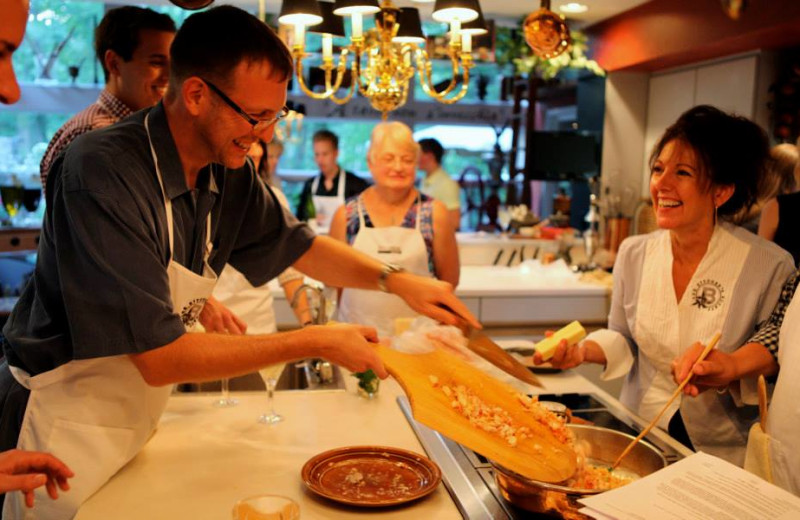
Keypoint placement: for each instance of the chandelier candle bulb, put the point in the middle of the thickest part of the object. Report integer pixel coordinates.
(358, 25)
(455, 31)
(327, 47)
(573, 333)
(466, 42)
(299, 35)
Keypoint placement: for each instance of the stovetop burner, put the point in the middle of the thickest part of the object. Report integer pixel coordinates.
(469, 477)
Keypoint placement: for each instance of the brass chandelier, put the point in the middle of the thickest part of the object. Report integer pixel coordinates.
(382, 60)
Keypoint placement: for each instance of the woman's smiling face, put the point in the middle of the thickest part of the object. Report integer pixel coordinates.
(680, 190)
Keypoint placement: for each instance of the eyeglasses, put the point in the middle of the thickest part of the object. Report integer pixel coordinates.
(259, 125)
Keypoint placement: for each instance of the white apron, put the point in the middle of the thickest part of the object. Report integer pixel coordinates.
(96, 414)
(664, 329)
(325, 206)
(783, 421)
(398, 245)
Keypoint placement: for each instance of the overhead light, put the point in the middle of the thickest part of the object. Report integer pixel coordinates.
(546, 32)
(573, 8)
(382, 61)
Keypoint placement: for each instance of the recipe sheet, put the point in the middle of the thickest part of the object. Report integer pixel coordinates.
(698, 487)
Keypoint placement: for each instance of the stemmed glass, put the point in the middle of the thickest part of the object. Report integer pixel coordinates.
(225, 400)
(503, 219)
(270, 376)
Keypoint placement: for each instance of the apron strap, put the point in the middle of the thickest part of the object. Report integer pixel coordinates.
(168, 202)
(359, 206)
(419, 211)
(341, 179)
(315, 185)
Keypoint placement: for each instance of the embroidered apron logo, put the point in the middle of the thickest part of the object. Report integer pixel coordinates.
(191, 312)
(708, 294)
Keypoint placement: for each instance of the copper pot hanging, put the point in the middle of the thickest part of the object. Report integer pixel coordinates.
(546, 32)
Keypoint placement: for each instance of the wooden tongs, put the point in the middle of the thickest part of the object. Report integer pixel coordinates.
(709, 348)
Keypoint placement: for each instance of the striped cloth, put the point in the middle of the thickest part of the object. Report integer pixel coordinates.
(106, 111)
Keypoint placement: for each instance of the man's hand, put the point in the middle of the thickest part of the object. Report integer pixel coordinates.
(349, 346)
(717, 370)
(27, 470)
(215, 317)
(431, 297)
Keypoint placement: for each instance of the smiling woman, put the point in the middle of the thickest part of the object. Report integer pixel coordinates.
(395, 223)
(695, 276)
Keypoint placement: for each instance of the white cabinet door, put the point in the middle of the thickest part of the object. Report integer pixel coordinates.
(729, 86)
(670, 95)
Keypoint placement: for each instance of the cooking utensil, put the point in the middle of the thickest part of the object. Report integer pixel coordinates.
(709, 348)
(601, 445)
(762, 403)
(371, 476)
(541, 456)
(481, 344)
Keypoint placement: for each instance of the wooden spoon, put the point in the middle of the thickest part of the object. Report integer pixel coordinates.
(709, 348)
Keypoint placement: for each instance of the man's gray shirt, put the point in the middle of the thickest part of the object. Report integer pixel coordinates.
(100, 287)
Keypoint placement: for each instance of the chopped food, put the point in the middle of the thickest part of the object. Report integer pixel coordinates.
(593, 475)
(573, 333)
(496, 420)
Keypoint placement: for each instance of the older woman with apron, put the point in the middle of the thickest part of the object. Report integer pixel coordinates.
(695, 276)
(393, 222)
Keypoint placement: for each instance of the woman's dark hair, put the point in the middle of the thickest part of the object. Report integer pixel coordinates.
(732, 150)
(210, 44)
(120, 30)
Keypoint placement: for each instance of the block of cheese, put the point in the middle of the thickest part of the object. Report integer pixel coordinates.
(573, 333)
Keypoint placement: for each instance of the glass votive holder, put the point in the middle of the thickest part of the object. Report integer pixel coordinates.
(266, 507)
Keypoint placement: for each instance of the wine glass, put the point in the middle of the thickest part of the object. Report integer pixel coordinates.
(225, 400)
(266, 506)
(503, 219)
(270, 375)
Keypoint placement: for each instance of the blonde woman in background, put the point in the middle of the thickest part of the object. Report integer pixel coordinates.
(779, 217)
(393, 222)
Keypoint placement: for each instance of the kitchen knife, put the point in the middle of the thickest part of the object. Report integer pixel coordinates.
(481, 344)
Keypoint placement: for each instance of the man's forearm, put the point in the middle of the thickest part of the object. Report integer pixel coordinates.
(201, 357)
(338, 265)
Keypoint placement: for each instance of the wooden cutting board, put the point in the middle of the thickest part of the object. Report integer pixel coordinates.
(541, 457)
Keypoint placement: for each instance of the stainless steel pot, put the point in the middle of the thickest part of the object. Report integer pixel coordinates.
(601, 445)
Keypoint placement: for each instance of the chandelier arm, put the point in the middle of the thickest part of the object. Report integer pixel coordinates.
(341, 68)
(462, 91)
(424, 68)
(301, 81)
(350, 91)
(362, 88)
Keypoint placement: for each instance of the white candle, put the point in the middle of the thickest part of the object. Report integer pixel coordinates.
(455, 30)
(357, 25)
(327, 46)
(299, 35)
(466, 42)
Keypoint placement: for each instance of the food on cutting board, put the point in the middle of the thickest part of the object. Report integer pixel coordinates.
(573, 333)
(590, 474)
(496, 420)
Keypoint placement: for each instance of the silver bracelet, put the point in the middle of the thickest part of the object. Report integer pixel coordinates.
(384, 276)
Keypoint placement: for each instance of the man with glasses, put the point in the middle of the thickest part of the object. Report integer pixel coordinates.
(141, 216)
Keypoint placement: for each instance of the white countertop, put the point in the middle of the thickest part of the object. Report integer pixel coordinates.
(526, 279)
(203, 459)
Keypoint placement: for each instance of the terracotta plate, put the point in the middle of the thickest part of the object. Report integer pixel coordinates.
(371, 476)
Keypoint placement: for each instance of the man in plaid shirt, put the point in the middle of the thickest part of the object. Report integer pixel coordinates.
(132, 44)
